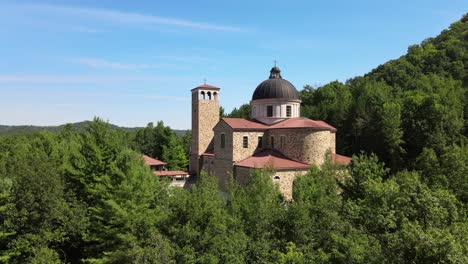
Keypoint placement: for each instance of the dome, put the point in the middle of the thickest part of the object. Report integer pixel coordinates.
(275, 88)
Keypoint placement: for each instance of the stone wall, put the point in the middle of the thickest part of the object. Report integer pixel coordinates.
(208, 164)
(222, 169)
(205, 115)
(285, 179)
(239, 152)
(233, 150)
(225, 153)
(304, 145)
(333, 142)
(242, 175)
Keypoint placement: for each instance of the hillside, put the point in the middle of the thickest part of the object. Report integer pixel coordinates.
(405, 108)
(76, 126)
(86, 196)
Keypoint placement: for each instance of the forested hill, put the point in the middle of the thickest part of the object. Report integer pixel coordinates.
(76, 126)
(86, 196)
(406, 109)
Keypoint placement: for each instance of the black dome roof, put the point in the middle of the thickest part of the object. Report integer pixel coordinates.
(275, 88)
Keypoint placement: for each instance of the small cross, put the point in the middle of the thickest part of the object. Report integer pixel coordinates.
(275, 62)
(204, 80)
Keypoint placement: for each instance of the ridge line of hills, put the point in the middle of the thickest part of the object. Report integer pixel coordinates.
(18, 129)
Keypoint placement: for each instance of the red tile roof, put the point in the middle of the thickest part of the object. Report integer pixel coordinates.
(297, 122)
(152, 162)
(242, 123)
(207, 86)
(170, 173)
(302, 122)
(271, 158)
(340, 159)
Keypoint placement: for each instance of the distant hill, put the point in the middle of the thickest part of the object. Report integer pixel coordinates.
(4, 130)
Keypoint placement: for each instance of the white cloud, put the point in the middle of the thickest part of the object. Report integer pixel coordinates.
(50, 94)
(118, 17)
(19, 78)
(99, 63)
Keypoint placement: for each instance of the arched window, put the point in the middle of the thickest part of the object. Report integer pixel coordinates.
(215, 96)
(202, 95)
(209, 95)
(276, 179)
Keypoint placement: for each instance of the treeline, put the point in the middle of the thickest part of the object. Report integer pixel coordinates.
(86, 196)
(407, 110)
(12, 130)
(411, 112)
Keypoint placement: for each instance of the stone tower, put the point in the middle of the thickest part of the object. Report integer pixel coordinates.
(205, 115)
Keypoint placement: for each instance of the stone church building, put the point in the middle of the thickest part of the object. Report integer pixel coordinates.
(275, 136)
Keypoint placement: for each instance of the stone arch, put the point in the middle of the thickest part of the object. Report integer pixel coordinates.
(209, 95)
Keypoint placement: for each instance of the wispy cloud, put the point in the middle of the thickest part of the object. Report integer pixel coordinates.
(149, 96)
(99, 63)
(119, 17)
(19, 78)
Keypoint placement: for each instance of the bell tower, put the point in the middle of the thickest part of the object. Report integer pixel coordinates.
(205, 115)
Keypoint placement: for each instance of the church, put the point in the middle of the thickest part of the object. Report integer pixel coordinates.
(274, 137)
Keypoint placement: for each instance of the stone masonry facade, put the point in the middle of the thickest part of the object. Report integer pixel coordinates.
(284, 179)
(205, 115)
(275, 136)
(304, 145)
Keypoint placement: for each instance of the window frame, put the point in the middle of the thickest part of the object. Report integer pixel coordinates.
(245, 142)
(268, 112)
(260, 142)
(288, 111)
(222, 140)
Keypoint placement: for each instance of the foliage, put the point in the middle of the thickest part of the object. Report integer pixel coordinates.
(175, 154)
(242, 112)
(85, 196)
(403, 106)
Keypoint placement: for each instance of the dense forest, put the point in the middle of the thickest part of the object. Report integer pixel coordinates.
(4, 130)
(85, 195)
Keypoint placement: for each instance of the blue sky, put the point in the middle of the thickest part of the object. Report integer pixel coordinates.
(134, 62)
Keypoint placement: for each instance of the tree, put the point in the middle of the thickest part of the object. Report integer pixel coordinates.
(242, 112)
(175, 155)
(151, 140)
(201, 227)
(258, 206)
(316, 226)
(122, 197)
(39, 216)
